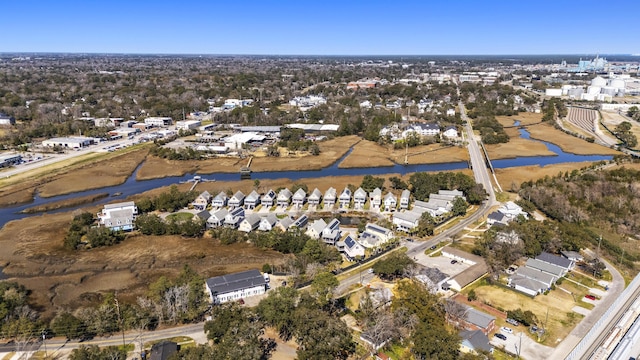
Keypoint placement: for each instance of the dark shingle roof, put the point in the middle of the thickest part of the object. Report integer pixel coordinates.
(554, 259)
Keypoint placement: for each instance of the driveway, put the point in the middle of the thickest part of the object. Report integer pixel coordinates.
(529, 349)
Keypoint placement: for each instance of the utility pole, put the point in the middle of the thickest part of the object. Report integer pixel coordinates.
(44, 342)
(120, 320)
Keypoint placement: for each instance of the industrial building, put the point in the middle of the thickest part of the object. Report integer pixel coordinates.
(188, 124)
(158, 121)
(69, 142)
(8, 159)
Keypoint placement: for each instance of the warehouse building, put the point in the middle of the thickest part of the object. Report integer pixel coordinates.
(68, 142)
(158, 121)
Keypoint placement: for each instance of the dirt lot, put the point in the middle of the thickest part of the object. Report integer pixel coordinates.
(557, 304)
(95, 171)
(33, 256)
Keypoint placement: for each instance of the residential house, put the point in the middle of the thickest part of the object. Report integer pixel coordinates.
(450, 132)
(284, 224)
(252, 200)
(390, 202)
(430, 129)
(217, 218)
(369, 240)
(512, 210)
(314, 231)
(237, 200)
(220, 200)
(546, 267)
(562, 262)
(455, 193)
(329, 198)
(234, 217)
(383, 233)
(536, 275)
(201, 202)
(359, 198)
(119, 216)
(572, 256)
(331, 233)
(497, 218)
(527, 285)
(268, 199)
(301, 222)
(267, 223)
(406, 221)
(315, 197)
(233, 287)
(376, 198)
(284, 197)
(163, 350)
(478, 320)
(431, 207)
(468, 276)
(203, 215)
(475, 342)
(250, 223)
(404, 199)
(299, 197)
(352, 249)
(345, 198)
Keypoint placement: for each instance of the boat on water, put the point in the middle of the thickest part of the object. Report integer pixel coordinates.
(197, 178)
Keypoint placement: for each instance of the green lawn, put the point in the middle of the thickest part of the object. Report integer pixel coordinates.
(180, 216)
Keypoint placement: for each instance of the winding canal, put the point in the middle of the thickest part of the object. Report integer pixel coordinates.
(132, 186)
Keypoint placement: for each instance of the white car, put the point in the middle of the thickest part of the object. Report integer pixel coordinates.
(507, 330)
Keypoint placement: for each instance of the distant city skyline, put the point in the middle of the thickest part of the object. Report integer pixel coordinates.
(328, 27)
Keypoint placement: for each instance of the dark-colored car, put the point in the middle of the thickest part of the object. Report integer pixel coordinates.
(500, 336)
(454, 261)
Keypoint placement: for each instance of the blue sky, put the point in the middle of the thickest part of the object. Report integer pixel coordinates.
(328, 27)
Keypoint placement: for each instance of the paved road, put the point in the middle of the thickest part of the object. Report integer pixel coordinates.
(481, 175)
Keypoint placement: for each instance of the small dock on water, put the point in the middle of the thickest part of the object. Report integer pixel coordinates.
(196, 180)
(245, 171)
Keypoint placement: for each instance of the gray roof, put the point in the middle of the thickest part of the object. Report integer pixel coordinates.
(330, 193)
(253, 219)
(478, 318)
(253, 196)
(239, 195)
(536, 275)
(163, 350)
(546, 267)
(284, 194)
(269, 195)
(119, 217)
(377, 229)
(554, 259)
(407, 216)
(451, 192)
(222, 196)
(300, 194)
(204, 215)
(360, 194)
(406, 194)
(318, 226)
(120, 204)
(316, 194)
(234, 282)
(527, 283)
(286, 222)
(390, 196)
(220, 214)
(477, 339)
(271, 218)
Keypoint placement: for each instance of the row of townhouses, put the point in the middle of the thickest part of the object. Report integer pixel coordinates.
(438, 205)
(285, 198)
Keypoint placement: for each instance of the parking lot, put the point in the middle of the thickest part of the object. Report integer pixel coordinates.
(518, 341)
(440, 262)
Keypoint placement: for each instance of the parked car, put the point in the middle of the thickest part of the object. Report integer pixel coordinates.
(591, 297)
(454, 261)
(500, 336)
(513, 322)
(506, 330)
(433, 247)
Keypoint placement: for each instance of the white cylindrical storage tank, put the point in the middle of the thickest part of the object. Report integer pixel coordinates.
(618, 84)
(599, 81)
(594, 90)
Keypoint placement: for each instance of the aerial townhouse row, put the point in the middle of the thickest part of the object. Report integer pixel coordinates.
(285, 198)
(438, 205)
(327, 232)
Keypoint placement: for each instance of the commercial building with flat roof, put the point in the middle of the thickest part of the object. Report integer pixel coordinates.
(158, 121)
(68, 142)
